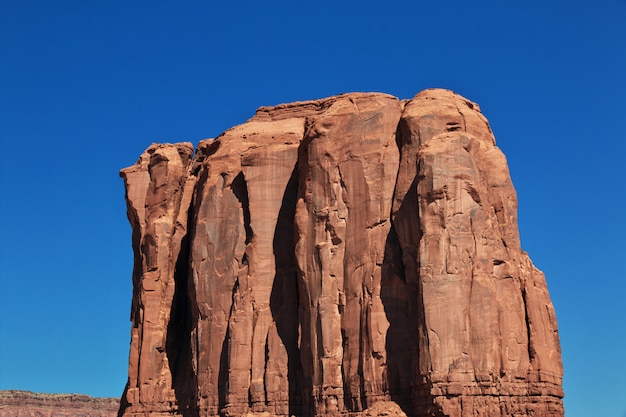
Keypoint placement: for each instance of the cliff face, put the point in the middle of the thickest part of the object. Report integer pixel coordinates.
(330, 256)
(29, 404)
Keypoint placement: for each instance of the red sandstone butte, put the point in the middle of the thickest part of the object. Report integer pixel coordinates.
(354, 255)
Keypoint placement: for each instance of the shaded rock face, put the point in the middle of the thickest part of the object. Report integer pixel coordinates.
(29, 404)
(344, 255)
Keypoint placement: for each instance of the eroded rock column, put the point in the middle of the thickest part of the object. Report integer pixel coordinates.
(348, 162)
(474, 352)
(156, 189)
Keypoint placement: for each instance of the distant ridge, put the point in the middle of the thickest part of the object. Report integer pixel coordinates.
(17, 403)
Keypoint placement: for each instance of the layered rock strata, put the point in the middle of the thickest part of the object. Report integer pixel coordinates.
(329, 256)
(16, 403)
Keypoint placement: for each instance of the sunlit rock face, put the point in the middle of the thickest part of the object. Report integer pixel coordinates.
(354, 254)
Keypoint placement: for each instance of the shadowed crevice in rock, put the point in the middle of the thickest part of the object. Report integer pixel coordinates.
(124, 403)
(222, 376)
(178, 347)
(240, 189)
(401, 337)
(284, 301)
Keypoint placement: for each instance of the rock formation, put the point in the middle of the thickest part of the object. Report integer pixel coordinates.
(335, 257)
(30, 404)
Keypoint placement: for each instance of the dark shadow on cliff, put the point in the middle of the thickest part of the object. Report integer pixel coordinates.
(408, 351)
(240, 190)
(123, 402)
(222, 376)
(284, 296)
(401, 343)
(178, 348)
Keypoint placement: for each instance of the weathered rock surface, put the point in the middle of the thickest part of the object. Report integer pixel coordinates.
(344, 256)
(29, 404)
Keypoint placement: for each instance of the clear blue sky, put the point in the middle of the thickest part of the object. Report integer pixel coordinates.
(86, 86)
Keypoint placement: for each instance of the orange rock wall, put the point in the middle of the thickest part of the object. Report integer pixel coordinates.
(329, 255)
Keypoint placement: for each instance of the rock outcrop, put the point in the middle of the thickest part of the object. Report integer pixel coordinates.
(346, 255)
(30, 404)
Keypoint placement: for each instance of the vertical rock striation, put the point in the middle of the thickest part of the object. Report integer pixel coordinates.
(328, 257)
(347, 167)
(478, 294)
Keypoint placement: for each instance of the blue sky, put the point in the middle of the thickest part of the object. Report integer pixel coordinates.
(85, 87)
